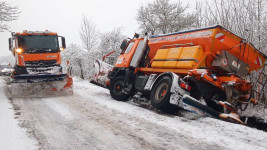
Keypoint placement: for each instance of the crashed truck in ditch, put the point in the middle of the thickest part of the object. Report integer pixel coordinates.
(204, 71)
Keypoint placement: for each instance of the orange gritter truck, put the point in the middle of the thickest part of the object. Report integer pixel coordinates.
(203, 71)
(38, 60)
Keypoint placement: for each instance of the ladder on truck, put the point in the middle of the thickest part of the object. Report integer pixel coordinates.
(259, 88)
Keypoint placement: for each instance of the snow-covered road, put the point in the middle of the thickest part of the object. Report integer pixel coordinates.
(90, 119)
(12, 136)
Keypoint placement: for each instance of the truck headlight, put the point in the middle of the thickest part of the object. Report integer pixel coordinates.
(18, 50)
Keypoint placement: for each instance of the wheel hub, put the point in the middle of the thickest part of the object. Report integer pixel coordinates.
(161, 91)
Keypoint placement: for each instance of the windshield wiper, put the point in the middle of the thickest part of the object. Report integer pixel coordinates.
(40, 50)
(32, 50)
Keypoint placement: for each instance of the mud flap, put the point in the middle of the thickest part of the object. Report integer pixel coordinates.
(176, 92)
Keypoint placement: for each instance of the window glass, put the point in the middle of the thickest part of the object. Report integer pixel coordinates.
(39, 44)
(129, 47)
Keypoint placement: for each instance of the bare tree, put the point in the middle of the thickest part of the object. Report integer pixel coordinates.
(161, 16)
(88, 34)
(246, 18)
(7, 13)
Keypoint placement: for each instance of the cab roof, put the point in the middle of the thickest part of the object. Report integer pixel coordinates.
(26, 32)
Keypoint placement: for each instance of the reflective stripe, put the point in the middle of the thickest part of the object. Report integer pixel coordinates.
(220, 36)
(176, 60)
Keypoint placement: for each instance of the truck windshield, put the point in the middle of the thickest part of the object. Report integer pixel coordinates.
(129, 47)
(39, 44)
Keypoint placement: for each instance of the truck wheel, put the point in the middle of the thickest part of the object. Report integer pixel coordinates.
(116, 89)
(160, 95)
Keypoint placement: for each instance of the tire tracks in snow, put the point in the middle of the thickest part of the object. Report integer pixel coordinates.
(88, 120)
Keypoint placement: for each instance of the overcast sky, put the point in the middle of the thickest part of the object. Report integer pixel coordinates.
(64, 17)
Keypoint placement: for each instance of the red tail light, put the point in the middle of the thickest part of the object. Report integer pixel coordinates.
(185, 86)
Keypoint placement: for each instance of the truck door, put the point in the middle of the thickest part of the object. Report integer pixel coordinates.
(125, 58)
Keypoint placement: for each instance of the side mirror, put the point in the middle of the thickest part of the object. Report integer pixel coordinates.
(63, 42)
(124, 44)
(10, 44)
(136, 35)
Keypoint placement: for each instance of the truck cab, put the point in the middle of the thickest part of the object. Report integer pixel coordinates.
(133, 51)
(37, 52)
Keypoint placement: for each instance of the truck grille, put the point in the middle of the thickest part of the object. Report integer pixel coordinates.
(41, 63)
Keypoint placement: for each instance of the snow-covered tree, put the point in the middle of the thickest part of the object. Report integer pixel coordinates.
(161, 17)
(75, 55)
(111, 41)
(88, 34)
(246, 18)
(8, 13)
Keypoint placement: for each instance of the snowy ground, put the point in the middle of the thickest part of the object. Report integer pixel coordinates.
(90, 119)
(12, 136)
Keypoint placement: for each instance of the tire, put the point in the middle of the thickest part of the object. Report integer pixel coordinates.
(160, 95)
(116, 90)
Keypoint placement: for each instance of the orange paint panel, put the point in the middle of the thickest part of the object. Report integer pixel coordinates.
(124, 60)
(36, 57)
(42, 56)
(239, 84)
(198, 38)
(24, 33)
(212, 40)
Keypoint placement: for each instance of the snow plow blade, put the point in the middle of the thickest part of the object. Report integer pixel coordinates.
(40, 85)
(101, 73)
(194, 106)
(37, 78)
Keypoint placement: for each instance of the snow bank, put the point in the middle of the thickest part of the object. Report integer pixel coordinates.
(12, 137)
(229, 135)
(258, 111)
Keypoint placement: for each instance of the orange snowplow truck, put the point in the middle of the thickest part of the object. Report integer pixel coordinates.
(203, 71)
(37, 55)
